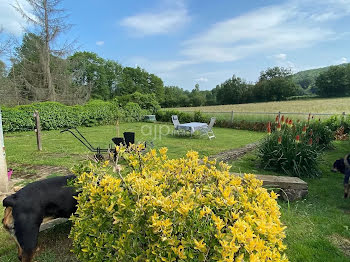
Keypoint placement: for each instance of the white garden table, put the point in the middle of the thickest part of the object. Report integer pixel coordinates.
(191, 127)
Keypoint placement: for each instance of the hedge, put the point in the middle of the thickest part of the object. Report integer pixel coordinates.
(54, 115)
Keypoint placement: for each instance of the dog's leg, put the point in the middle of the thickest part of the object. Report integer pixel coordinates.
(346, 190)
(27, 231)
(28, 257)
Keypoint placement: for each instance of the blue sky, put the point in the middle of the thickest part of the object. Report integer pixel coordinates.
(191, 41)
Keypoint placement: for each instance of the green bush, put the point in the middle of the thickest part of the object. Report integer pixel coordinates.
(132, 112)
(56, 116)
(187, 209)
(145, 101)
(292, 149)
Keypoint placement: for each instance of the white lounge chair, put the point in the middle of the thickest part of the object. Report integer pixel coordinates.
(209, 130)
(176, 122)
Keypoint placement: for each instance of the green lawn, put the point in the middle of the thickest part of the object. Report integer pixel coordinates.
(312, 224)
(64, 150)
(322, 216)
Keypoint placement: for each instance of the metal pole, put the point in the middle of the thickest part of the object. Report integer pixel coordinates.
(232, 116)
(3, 165)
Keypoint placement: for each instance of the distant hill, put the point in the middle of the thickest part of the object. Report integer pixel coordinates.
(306, 79)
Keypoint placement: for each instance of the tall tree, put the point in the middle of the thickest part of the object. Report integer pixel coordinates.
(275, 84)
(50, 21)
(334, 82)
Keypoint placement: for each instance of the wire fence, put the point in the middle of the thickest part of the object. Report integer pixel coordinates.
(267, 116)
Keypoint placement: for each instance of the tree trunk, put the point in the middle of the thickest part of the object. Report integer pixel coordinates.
(47, 71)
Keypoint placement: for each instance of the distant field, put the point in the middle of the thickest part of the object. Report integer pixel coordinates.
(299, 109)
(327, 105)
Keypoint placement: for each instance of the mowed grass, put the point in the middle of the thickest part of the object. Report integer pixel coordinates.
(319, 105)
(311, 223)
(62, 149)
(324, 215)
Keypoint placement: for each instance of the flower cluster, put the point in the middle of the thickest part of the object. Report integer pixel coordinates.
(186, 209)
(293, 147)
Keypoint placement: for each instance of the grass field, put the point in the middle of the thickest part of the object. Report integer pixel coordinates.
(64, 150)
(267, 111)
(320, 105)
(316, 227)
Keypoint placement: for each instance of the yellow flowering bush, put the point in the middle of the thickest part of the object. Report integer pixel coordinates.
(186, 209)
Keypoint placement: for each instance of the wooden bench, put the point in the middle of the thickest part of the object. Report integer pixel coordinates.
(289, 188)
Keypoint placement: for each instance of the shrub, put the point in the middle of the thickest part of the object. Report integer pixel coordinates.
(145, 101)
(55, 115)
(183, 209)
(292, 149)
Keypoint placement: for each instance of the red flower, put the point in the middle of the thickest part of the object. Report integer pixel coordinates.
(269, 128)
(277, 119)
(310, 141)
(279, 140)
(282, 119)
(279, 127)
(287, 121)
(311, 132)
(290, 122)
(297, 139)
(304, 129)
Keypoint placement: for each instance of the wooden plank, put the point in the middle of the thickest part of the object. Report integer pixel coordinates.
(283, 182)
(52, 223)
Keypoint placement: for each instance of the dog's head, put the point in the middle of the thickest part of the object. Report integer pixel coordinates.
(339, 166)
(8, 221)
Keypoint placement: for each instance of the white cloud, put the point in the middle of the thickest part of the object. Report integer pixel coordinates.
(100, 43)
(10, 20)
(342, 60)
(268, 28)
(202, 79)
(169, 19)
(280, 56)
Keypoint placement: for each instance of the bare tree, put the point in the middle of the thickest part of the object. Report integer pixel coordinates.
(50, 21)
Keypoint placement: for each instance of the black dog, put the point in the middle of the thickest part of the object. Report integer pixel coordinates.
(343, 166)
(26, 209)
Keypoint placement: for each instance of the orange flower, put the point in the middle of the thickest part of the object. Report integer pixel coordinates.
(297, 139)
(287, 120)
(279, 127)
(277, 119)
(304, 129)
(269, 128)
(279, 140)
(290, 122)
(310, 141)
(282, 119)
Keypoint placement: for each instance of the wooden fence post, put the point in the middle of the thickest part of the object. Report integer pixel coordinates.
(37, 130)
(279, 116)
(3, 165)
(117, 127)
(232, 116)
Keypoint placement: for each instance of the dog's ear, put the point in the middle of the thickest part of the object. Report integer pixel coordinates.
(9, 201)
